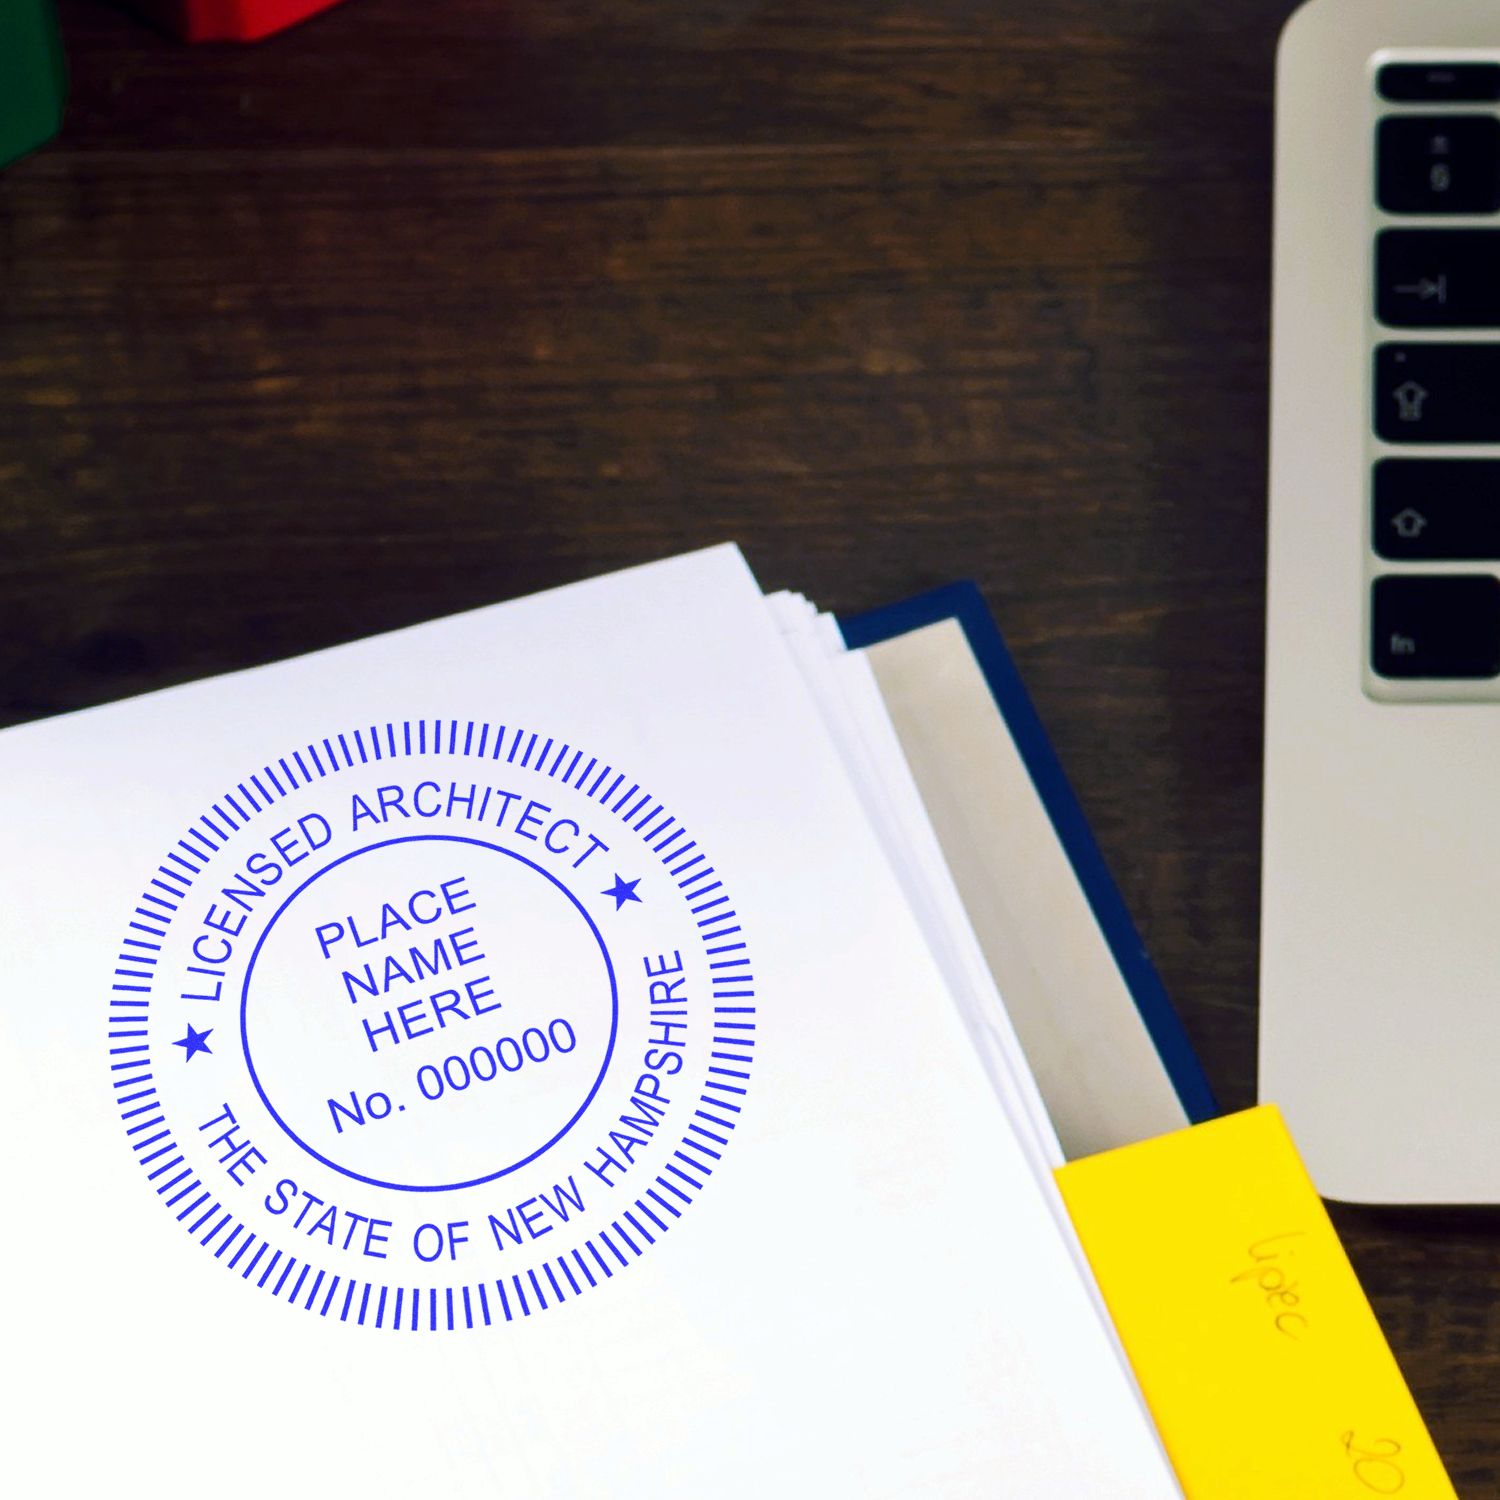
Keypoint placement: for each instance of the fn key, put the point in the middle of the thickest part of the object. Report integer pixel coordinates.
(1437, 625)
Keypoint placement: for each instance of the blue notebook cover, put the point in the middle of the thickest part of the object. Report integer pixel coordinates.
(964, 603)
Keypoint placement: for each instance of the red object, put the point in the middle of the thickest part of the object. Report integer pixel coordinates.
(229, 20)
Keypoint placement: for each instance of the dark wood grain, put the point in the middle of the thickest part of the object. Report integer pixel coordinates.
(425, 305)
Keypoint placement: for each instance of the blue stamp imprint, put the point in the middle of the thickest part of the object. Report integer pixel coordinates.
(431, 1025)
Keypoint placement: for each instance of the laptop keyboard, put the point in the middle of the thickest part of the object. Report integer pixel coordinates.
(1436, 381)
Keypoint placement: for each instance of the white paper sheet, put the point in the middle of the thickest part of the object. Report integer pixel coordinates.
(844, 687)
(844, 1280)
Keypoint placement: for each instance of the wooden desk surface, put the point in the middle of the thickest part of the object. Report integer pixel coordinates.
(426, 305)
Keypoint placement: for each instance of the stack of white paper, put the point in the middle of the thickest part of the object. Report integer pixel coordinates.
(538, 1053)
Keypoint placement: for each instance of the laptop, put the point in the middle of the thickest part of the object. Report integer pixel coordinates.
(1380, 972)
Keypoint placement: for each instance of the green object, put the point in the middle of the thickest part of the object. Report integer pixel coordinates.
(33, 77)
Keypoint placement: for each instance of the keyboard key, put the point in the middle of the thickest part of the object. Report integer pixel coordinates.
(1439, 164)
(1437, 509)
(1439, 83)
(1437, 393)
(1436, 626)
(1438, 278)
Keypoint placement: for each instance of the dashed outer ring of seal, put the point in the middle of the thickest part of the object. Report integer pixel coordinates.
(479, 1304)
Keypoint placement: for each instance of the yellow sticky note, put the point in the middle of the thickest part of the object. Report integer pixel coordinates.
(1257, 1351)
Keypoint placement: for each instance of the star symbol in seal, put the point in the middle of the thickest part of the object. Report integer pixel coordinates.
(622, 890)
(195, 1041)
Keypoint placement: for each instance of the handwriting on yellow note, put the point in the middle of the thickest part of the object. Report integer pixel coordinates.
(1268, 1271)
(1265, 1369)
(1376, 1463)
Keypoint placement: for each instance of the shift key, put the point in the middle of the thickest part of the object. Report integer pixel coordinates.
(1437, 393)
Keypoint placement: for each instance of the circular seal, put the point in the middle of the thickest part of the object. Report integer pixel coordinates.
(432, 1025)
